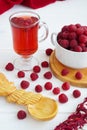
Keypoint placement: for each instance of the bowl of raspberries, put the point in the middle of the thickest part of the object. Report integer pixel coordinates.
(71, 45)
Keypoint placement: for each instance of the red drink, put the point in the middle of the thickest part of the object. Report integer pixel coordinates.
(25, 27)
(25, 34)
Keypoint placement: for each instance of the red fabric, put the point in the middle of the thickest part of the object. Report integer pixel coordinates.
(37, 3)
(7, 4)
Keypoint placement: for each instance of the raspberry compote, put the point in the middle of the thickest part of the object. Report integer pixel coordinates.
(25, 33)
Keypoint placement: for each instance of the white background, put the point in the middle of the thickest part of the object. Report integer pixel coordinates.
(55, 15)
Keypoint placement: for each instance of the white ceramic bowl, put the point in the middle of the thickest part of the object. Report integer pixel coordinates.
(69, 58)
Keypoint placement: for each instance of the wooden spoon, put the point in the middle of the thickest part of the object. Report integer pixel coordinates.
(45, 109)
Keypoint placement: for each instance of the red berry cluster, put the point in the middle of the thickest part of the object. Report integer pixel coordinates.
(73, 37)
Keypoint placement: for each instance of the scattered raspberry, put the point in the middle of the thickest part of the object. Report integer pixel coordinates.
(21, 114)
(64, 72)
(20, 74)
(44, 64)
(48, 75)
(36, 69)
(38, 88)
(76, 93)
(56, 90)
(24, 84)
(9, 67)
(63, 98)
(33, 76)
(48, 86)
(66, 86)
(49, 51)
(78, 75)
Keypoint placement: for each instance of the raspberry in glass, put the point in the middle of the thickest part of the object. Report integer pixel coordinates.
(24, 84)
(49, 51)
(56, 90)
(48, 85)
(48, 75)
(21, 114)
(9, 67)
(34, 76)
(21, 74)
(38, 88)
(66, 86)
(63, 98)
(36, 69)
(76, 93)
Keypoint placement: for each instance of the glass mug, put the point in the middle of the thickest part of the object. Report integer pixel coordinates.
(25, 26)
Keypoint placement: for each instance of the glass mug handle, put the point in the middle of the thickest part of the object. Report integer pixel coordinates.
(44, 34)
(53, 38)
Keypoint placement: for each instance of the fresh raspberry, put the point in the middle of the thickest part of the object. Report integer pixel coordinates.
(73, 43)
(48, 86)
(36, 69)
(65, 28)
(49, 51)
(64, 43)
(9, 67)
(59, 36)
(72, 28)
(21, 74)
(56, 90)
(78, 48)
(84, 49)
(66, 86)
(24, 84)
(64, 72)
(78, 75)
(48, 75)
(64, 35)
(44, 64)
(80, 31)
(76, 93)
(21, 114)
(63, 98)
(78, 25)
(33, 76)
(38, 88)
(72, 36)
(82, 38)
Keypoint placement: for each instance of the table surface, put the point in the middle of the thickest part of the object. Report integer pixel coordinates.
(55, 15)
